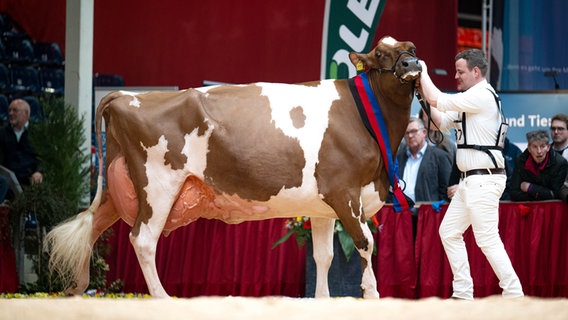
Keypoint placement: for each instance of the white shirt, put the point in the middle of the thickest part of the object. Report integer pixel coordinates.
(410, 173)
(482, 124)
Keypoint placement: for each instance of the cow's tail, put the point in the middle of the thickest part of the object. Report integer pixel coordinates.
(70, 243)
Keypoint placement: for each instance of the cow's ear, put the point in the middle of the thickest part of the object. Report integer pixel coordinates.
(360, 61)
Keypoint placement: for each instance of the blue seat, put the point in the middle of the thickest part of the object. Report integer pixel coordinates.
(48, 54)
(52, 81)
(24, 80)
(3, 108)
(5, 79)
(108, 80)
(19, 49)
(36, 110)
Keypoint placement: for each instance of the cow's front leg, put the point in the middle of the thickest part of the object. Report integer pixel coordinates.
(322, 239)
(368, 281)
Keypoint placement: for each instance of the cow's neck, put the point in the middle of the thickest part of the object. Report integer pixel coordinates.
(395, 105)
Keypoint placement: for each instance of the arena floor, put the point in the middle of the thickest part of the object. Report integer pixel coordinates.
(272, 308)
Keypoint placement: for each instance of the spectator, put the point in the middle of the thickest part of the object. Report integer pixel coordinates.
(510, 154)
(424, 168)
(559, 131)
(17, 153)
(540, 172)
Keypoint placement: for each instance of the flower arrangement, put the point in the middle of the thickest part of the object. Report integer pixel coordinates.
(301, 227)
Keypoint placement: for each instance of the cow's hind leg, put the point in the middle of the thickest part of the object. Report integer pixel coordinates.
(322, 239)
(145, 242)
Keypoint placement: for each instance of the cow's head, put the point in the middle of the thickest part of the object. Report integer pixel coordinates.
(390, 55)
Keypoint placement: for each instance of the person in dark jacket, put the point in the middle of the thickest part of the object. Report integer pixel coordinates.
(424, 168)
(16, 151)
(539, 171)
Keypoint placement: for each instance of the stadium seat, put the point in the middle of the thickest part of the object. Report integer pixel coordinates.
(25, 80)
(36, 111)
(19, 49)
(108, 80)
(3, 108)
(52, 81)
(5, 79)
(48, 54)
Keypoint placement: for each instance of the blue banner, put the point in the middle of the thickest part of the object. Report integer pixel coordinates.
(533, 45)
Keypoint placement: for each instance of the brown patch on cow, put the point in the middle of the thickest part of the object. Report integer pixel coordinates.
(248, 156)
(298, 117)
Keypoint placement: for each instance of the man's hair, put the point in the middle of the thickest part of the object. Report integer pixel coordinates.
(417, 120)
(538, 135)
(560, 117)
(474, 58)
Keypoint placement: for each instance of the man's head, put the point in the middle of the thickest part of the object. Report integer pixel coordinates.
(19, 113)
(538, 144)
(415, 135)
(559, 130)
(471, 68)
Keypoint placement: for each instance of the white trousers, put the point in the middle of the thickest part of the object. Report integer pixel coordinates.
(476, 203)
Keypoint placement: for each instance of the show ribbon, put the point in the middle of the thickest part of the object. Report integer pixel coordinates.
(372, 117)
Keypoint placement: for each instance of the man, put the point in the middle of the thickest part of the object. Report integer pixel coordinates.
(559, 131)
(424, 168)
(539, 172)
(476, 116)
(17, 153)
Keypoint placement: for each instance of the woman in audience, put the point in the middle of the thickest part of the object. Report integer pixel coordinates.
(539, 171)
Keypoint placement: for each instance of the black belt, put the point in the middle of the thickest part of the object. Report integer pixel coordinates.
(482, 171)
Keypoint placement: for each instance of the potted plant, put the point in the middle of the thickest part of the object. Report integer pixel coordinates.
(344, 273)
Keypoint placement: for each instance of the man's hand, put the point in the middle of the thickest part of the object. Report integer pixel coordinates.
(525, 186)
(452, 191)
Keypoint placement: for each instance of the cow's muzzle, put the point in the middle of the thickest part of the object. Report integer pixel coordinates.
(405, 69)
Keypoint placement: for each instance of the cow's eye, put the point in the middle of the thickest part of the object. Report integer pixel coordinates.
(378, 54)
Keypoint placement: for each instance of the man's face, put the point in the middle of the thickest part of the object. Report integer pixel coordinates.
(17, 115)
(538, 150)
(466, 78)
(415, 136)
(559, 132)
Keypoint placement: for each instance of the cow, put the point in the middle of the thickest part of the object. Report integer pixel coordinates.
(240, 153)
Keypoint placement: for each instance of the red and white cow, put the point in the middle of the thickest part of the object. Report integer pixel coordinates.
(238, 153)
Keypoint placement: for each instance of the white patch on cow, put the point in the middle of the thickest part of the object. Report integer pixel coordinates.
(163, 182)
(315, 102)
(370, 199)
(389, 41)
(134, 102)
(196, 148)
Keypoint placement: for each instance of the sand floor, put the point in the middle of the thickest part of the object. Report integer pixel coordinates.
(273, 308)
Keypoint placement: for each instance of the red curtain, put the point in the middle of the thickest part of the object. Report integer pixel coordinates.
(8, 274)
(209, 257)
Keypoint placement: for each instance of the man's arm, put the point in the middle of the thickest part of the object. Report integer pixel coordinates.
(430, 93)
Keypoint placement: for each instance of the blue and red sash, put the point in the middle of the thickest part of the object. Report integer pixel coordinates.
(372, 117)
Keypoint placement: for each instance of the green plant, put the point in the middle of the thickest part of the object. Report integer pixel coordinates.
(301, 228)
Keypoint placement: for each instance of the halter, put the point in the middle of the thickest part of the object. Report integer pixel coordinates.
(381, 70)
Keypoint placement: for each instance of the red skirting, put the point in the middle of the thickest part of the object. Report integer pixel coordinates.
(209, 257)
(8, 273)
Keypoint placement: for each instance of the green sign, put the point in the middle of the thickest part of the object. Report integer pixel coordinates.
(349, 25)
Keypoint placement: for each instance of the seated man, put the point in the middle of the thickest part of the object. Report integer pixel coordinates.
(539, 171)
(424, 168)
(559, 131)
(15, 148)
